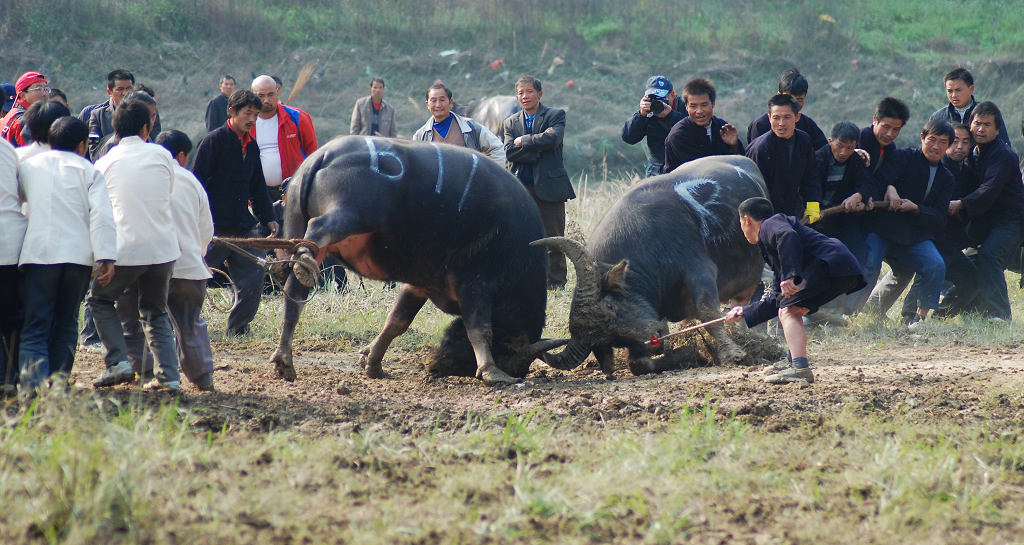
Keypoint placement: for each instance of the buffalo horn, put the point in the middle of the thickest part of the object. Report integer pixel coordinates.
(569, 358)
(588, 282)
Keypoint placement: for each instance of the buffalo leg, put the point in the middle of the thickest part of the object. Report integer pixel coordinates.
(476, 315)
(705, 297)
(295, 293)
(400, 318)
(606, 359)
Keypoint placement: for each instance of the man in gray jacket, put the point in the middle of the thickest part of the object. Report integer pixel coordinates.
(533, 145)
(467, 133)
(371, 115)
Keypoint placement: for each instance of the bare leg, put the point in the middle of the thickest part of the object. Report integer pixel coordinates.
(402, 314)
(792, 322)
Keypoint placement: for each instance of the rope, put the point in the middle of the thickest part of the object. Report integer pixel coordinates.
(234, 293)
(290, 244)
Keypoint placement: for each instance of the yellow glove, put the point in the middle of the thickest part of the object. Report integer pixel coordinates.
(813, 212)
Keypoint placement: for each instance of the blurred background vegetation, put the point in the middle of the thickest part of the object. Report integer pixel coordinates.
(852, 53)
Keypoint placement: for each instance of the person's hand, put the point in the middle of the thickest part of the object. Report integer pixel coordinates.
(853, 203)
(893, 197)
(955, 207)
(863, 155)
(907, 205)
(735, 314)
(645, 106)
(106, 273)
(729, 134)
(789, 287)
(274, 228)
(518, 141)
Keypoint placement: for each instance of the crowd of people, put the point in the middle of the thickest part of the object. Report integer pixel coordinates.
(87, 202)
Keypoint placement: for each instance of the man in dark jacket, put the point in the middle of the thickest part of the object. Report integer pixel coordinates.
(786, 161)
(994, 209)
(646, 123)
(959, 87)
(700, 134)
(533, 149)
(793, 83)
(217, 108)
(227, 163)
(879, 139)
(809, 270)
(918, 189)
(845, 181)
(120, 82)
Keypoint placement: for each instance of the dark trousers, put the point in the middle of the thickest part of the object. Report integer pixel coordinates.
(997, 249)
(53, 295)
(88, 334)
(184, 304)
(11, 306)
(248, 279)
(552, 215)
(152, 283)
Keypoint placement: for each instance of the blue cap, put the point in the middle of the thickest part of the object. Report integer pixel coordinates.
(659, 86)
(9, 94)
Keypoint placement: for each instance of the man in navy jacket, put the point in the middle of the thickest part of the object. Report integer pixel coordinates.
(810, 269)
(700, 134)
(653, 126)
(792, 83)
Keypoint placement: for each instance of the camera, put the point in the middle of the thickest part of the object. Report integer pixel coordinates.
(658, 105)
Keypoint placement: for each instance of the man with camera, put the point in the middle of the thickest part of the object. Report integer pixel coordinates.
(655, 118)
(701, 133)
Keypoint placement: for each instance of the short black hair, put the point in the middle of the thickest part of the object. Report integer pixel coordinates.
(962, 127)
(438, 85)
(226, 77)
(66, 133)
(757, 208)
(175, 141)
(894, 108)
(792, 82)
(959, 74)
(697, 87)
(938, 127)
(119, 74)
(783, 99)
(130, 117)
(145, 89)
(527, 79)
(57, 93)
(41, 115)
(141, 96)
(987, 108)
(844, 130)
(242, 98)
(277, 80)
(377, 80)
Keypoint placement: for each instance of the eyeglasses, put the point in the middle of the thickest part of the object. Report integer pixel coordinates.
(43, 89)
(262, 96)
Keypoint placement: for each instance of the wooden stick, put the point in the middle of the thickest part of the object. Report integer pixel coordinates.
(655, 341)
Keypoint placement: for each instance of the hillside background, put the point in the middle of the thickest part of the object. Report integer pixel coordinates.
(592, 56)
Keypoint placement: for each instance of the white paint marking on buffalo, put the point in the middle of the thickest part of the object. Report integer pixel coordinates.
(385, 152)
(712, 226)
(440, 169)
(469, 183)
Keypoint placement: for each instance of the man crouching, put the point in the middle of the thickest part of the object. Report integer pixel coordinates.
(810, 269)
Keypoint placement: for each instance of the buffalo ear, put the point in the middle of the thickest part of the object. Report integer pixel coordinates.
(615, 278)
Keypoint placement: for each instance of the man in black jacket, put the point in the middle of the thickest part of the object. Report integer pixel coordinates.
(700, 134)
(651, 124)
(217, 108)
(959, 87)
(533, 149)
(792, 83)
(227, 163)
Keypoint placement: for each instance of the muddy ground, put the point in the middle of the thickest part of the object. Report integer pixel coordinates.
(925, 377)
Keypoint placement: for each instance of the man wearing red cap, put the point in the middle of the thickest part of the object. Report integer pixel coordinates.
(31, 87)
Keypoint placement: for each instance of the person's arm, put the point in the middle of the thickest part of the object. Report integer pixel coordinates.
(202, 162)
(211, 118)
(356, 125)
(790, 248)
(307, 134)
(392, 130)
(489, 143)
(258, 194)
(102, 230)
(514, 153)
(551, 138)
(994, 176)
(635, 129)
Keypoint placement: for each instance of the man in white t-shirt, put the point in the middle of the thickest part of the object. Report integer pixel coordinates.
(285, 135)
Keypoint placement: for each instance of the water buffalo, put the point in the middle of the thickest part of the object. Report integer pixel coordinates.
(448, 222)
(669, 249)
(490, 111)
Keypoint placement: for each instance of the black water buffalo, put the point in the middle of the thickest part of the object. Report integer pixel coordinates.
(491, 111)
(448, 222)
(669, 249)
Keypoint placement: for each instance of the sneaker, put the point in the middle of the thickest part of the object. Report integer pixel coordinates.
(776, 367)
(115, 374)
(92, 348)
(791, 375)
(156, 386)
(917, 323)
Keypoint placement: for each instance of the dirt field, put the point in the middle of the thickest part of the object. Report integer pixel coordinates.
(925, 377)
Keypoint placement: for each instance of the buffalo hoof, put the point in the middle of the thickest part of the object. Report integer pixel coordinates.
(283, 362)
(492, 376)
(306, 270)
(372, 369)
(731, 356)
(641, 366)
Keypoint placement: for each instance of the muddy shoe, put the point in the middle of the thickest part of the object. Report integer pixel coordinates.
(773, 368)
(156, 386)
(116, 374)
(791, 375)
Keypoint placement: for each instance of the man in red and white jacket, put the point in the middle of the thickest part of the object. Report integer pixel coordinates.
(285, 135)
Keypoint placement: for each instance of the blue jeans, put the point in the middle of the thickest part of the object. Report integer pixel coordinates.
(923, 258)
(53, 295)
(995, 252)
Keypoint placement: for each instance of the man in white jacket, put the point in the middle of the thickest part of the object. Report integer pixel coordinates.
(70, 227)
(140, 178)
(12, 225)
